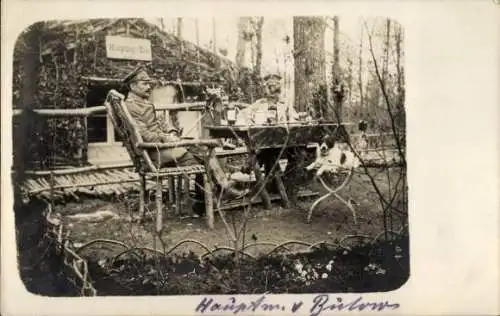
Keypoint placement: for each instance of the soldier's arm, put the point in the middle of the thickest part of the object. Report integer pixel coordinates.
(294, 115)
(150, 133)
(166, 123)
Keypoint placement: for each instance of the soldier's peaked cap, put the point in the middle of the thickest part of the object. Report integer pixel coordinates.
(272, 76)
(138, 73)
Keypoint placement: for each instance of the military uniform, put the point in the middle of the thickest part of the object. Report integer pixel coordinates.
(285, 113)
(156, 129)
(281, 107)
(268, 157)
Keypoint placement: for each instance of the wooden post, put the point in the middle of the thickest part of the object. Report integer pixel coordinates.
(52, 184)
(266, 199)
(187, 186)
(85, 149)
(159, 207)
(178, 195)
(142, 195)
(281, 188)
(209, 204)
(171, 190)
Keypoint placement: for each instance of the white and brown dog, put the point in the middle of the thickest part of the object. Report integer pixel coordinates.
(332, 157)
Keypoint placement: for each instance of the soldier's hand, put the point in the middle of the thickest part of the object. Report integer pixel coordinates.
(175, 132)
(171, 137)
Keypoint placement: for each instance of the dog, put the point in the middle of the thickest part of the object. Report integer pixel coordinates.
(333, 156)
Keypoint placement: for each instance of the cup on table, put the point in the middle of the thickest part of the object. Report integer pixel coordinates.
(304, 117)
(260, 117)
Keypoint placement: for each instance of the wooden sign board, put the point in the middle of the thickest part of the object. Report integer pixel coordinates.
(118, 47)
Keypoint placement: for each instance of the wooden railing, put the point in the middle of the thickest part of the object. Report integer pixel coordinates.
(83, 112)
(101, 80)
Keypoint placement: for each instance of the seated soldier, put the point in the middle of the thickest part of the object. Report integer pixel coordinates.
(154, 129)
(285, 113)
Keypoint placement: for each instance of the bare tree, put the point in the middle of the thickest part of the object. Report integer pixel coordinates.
(360, 72)
(179, 27)
(399, 74)
(241, 45)
(336, 50)
(197, 35)
(214, 36)
(252, 53)
(399, 77)
(336, 71)
(349, 76)
(179, 34)
(388, 104)
(258, 45)
(309, 56)
(385, 65)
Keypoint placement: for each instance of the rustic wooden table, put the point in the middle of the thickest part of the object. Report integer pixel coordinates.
(260, 139)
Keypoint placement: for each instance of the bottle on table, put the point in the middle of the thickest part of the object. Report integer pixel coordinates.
(231, 113)
(272, 113)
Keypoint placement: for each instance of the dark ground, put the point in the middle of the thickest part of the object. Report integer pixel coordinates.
(41, 266)
(379, 267)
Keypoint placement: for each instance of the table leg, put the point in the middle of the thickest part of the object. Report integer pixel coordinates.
(281, 187)
(178, 194)
(270, 159)
(266, 199)
(292, 174)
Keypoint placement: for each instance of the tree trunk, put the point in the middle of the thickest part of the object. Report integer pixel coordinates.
(242, 42)
(336, 73)
(179, 35)
(398, 63)
(336, 51)
(252, 54)
(385, 65)
(197, 38)
(174, 26)
(349, 77)
(400, 80)
(258, 46)
(31, 66)
(309, 56)
(214, 36)
(360, 73)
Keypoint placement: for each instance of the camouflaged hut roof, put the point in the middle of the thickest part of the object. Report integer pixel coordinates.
(173, 58)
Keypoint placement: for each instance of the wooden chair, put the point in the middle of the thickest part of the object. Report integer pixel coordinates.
(138, 150)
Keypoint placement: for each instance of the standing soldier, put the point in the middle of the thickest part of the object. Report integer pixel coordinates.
(272, 101)
(280, 112)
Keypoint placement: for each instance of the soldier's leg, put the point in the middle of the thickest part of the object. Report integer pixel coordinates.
(195, 155)
(270, 161)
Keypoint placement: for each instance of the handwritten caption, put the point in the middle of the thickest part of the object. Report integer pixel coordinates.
(320, 304)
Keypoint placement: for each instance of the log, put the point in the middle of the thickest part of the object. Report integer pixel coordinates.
(102, 80)
(76, 170)
(71, 113)
(183, 143)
